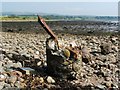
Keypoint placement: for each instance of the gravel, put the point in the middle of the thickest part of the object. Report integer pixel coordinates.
(99, 67)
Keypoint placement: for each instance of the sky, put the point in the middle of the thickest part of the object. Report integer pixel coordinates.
(60, 0)
(64, 8)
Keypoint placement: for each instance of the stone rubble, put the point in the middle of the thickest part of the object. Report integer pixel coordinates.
(99, 69)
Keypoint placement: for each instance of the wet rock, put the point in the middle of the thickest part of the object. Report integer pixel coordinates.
(50, 80)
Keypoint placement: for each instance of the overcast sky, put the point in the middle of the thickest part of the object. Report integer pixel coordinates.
(63, 8)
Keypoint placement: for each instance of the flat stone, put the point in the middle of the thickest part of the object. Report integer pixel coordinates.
(27, 70)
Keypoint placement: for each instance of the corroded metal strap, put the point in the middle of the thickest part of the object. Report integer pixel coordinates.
(48, 30)
(46, 27)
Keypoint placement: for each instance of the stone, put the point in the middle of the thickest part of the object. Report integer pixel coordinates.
(15, 56)
(10, 55)
(21, 79)
(86, 57)
(39, 63)
(2, 85)
(27, 70)
(36, 56)
(17, 65)
(1, 63)
(2, 69)
(30, 50)
(45, 89)
(25, 55)
(2, 77)
(114, 39)
(18, 84)
(100, 86)
(45, 64)
(115, 48)
(66, 53)
(37, 52)
(50, 80)
(108, 84)
(105, 48)
(41, 80)
(17, 73)
(9, 64)
(12, 79)
(112, 58)
(107, 78)
(6, 85)
(77, 66)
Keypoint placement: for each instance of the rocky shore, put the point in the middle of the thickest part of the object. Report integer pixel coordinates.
(23, 62)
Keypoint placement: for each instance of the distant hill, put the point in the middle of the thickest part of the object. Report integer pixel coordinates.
(20, 13)
(57, 17)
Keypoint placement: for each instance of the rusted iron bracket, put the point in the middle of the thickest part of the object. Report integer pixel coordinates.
(53, 36)
(48, 30)
(46, 27)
